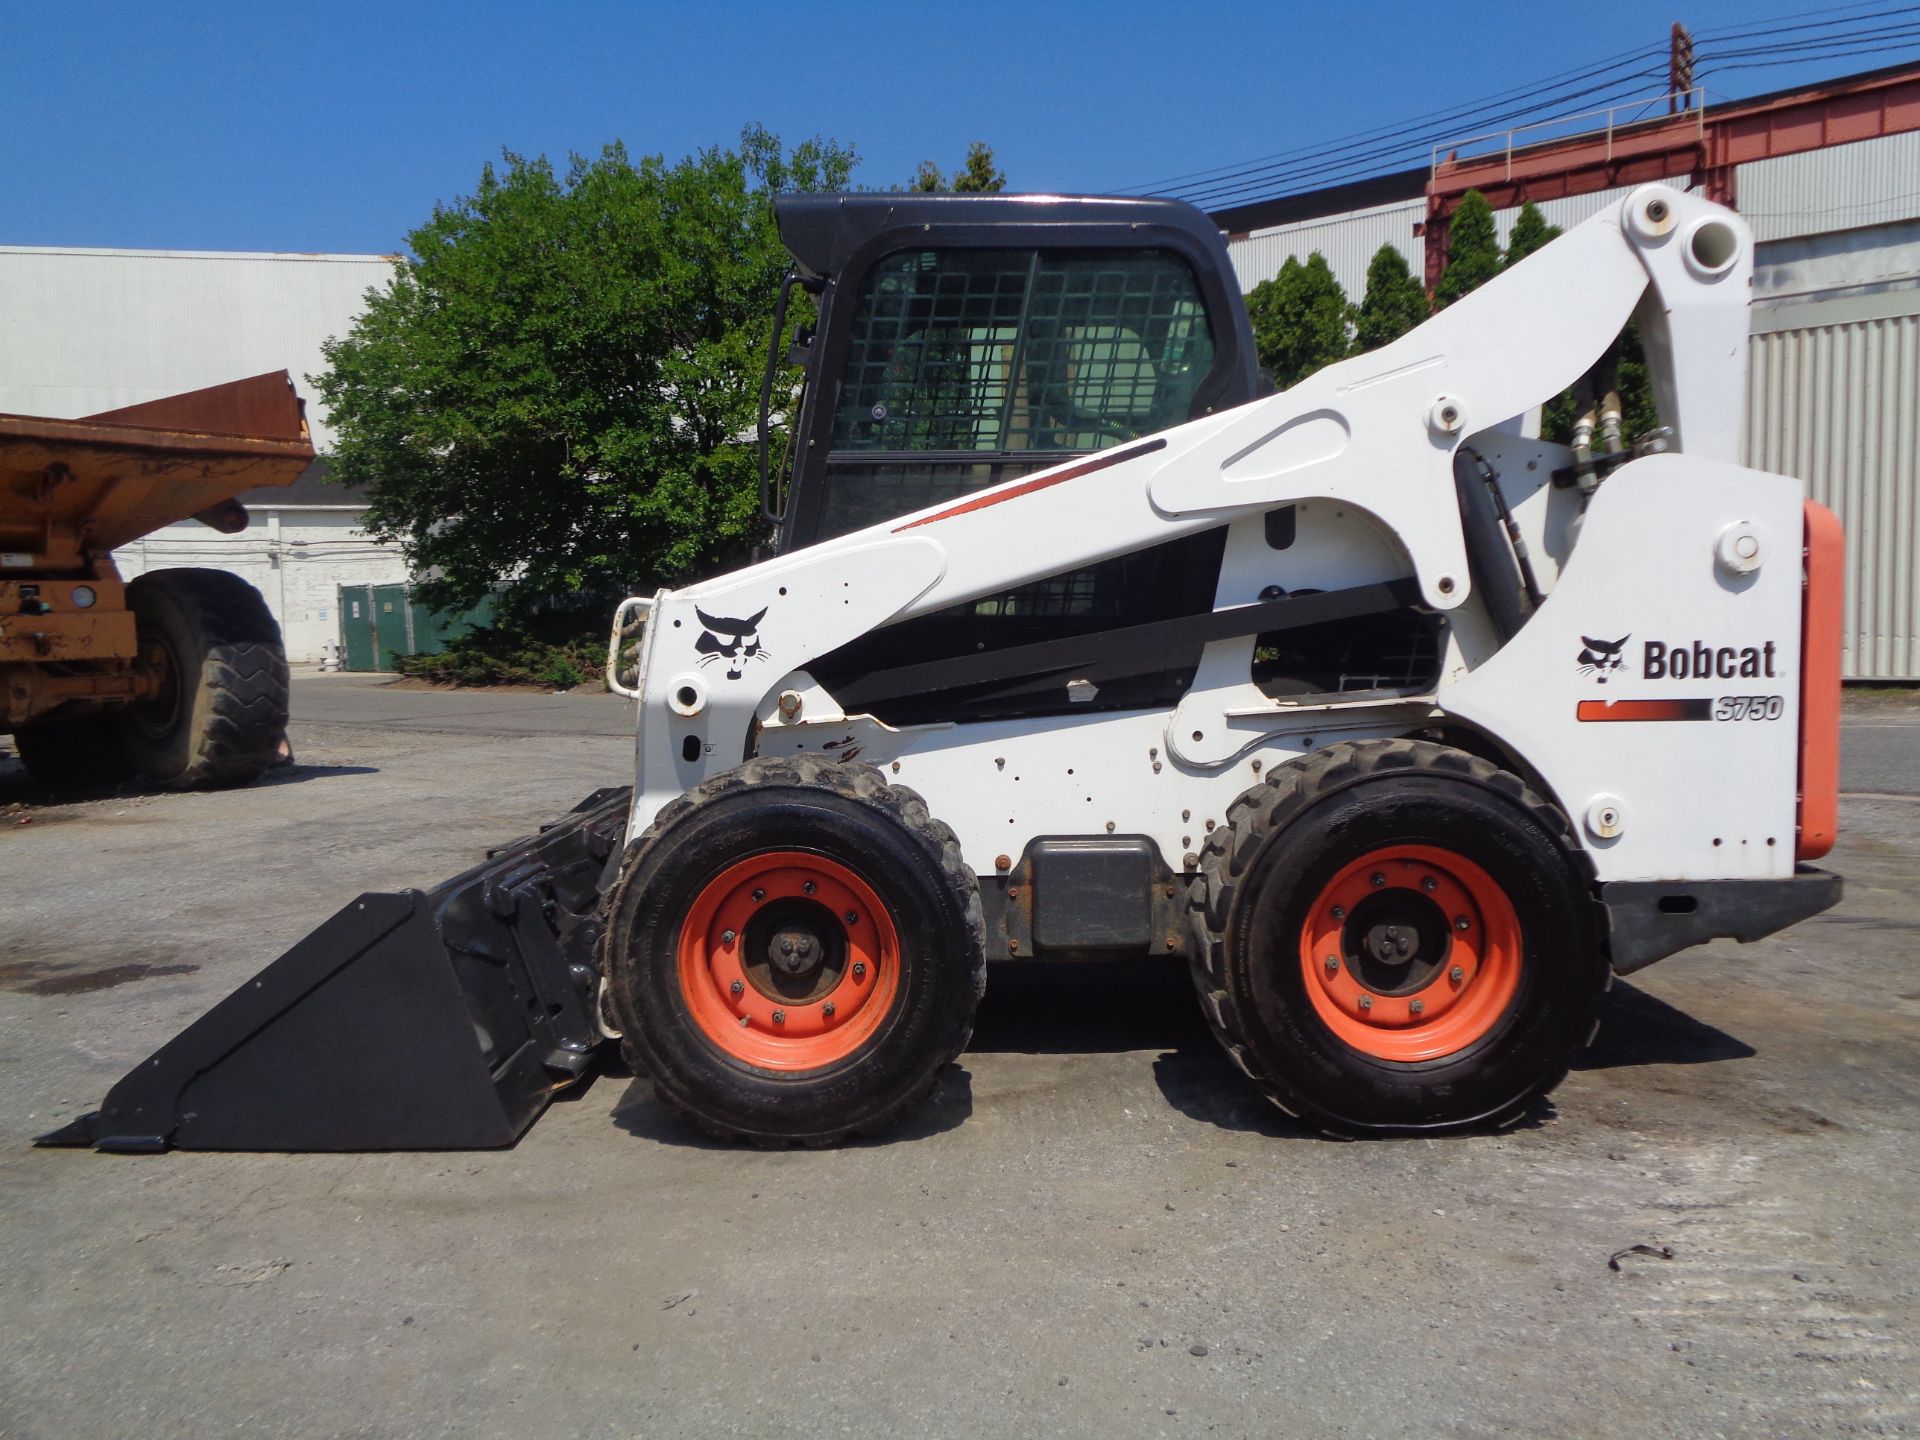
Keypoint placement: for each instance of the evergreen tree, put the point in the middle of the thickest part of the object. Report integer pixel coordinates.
(1530, 232)
(977, 174)
(1300, 320)
(1473, 250)
(1393, 305)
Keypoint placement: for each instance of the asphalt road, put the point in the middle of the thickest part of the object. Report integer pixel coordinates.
(1095, 1228)
(1880, 744)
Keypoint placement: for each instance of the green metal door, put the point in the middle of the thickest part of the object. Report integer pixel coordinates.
(357, 648)
(432, 629)
(390, 636)
(378, 622)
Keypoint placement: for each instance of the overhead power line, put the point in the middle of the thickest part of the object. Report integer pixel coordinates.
(1866, 27)
(1432, 117)
(1410, 145)
(1831, 16)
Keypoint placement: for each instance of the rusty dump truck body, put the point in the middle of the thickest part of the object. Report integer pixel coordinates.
(71, 491)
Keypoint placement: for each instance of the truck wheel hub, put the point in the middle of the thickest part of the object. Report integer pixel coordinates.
(788, 961)
(1395, 939)
(1411, 953)
(155, 710)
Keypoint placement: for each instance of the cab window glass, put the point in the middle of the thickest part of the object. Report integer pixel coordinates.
(1011, 351)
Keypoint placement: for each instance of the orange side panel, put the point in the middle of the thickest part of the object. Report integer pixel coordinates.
(1820, 642)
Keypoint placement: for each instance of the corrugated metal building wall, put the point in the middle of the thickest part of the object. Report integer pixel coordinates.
(1834, 388)
(1844, 187)
(1833, 395)
(1348, 242)
(88, 330)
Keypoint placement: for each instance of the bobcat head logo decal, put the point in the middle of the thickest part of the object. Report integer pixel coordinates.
(735, 641)
(1600, 658)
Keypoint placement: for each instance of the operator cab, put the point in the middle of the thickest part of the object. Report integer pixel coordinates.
(965, 340)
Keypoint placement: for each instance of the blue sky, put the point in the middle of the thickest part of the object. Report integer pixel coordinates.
(337, 126)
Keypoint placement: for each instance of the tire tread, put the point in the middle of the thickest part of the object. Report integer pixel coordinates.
(1262, 811)
(864, 785)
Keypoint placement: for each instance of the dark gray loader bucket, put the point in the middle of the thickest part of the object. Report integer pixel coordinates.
(442, 1020)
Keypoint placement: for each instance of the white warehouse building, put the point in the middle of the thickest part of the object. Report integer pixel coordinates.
(82, 331)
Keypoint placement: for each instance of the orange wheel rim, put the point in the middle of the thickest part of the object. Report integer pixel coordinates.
(1412, 952)
(788, 961)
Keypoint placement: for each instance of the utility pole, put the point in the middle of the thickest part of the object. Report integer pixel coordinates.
(1679, 67)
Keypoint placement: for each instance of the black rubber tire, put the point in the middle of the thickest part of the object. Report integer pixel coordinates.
(81, 751)
(884, 833)
(1284, 840)
(230, 719)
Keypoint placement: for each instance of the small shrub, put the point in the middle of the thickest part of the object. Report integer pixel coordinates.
(517, 651)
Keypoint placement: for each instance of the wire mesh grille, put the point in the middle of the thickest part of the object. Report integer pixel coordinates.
(1021, 350)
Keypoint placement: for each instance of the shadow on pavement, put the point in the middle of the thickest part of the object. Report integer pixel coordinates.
(18, 787)
(1074, 1009)
(1637, 1029)
(646, 1116)
(298, 773)
(1035, 1008)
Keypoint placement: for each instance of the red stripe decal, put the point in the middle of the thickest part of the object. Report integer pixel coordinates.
(1645, 710)
(1039, 482)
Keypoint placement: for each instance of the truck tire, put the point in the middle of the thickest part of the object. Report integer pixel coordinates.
(219, 717)
(1397, 937)
(81, 751)
(795, 950)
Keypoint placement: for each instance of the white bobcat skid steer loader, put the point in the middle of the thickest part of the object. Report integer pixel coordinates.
(1402, 728)
(1450, 737)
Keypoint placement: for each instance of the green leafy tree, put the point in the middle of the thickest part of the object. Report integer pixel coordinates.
(560, 385)
(977, 175)
(1473, 250)
(1530, 232)
(1300, 320)
(1395, 302)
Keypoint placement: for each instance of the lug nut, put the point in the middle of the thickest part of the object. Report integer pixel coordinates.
(858, 971)
(1377, 879)
(1333, 964)
(779, 1017)
(827, 1010)
(1339, 912)
(1366, 1002)
(759, 895)
(726, 937)
(1456, 974)
(852, 918)
(1460, 922)
(736, 987)
(1414, 1007)
(809, 887)
(1429, 883)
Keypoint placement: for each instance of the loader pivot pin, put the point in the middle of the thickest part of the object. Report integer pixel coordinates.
(1410, 953)
(774, 970)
